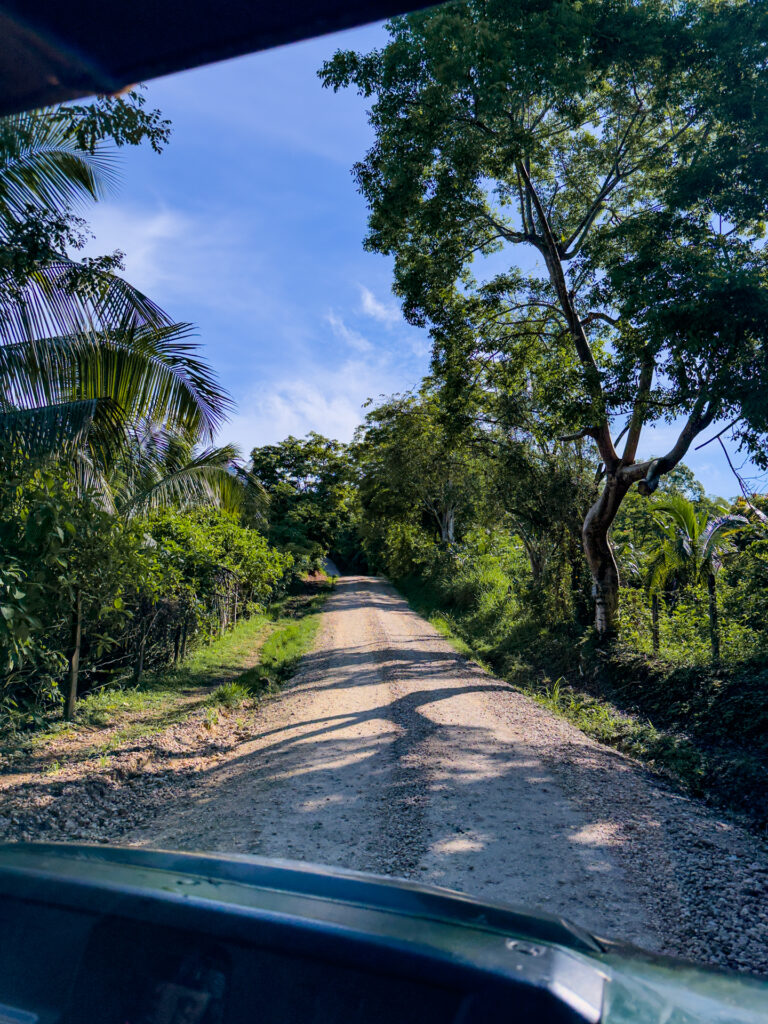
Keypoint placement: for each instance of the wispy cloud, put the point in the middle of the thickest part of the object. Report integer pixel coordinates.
(385, 312)
(351, 337)
(145, 236)
(188, 259)
(326, 399)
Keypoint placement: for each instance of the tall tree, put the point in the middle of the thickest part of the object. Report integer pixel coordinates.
(625, 147)
(308, 484)
(412, 465)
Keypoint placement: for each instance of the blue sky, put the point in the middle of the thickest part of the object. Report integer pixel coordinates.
(250, 227)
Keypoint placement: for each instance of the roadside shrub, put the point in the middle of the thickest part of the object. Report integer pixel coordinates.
(144, 591)
(230, 695)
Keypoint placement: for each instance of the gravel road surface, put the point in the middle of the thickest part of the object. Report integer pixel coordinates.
(389, 752)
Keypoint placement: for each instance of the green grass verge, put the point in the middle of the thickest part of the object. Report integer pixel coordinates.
(295, 627)
(221, 674)
(205, 667)
(730, 777)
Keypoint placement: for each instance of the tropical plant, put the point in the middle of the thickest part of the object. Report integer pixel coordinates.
(84, 356)
(690, 549)
(160, 467)
(107, 413)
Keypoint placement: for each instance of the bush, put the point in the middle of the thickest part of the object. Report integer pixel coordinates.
(144, 590)
(230, 695)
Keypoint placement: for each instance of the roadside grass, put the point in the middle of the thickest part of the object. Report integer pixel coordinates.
(672, 755)
(220, 675)
(280, 653)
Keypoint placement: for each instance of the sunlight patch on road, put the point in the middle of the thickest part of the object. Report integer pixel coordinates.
(598, 833)
(466, 843)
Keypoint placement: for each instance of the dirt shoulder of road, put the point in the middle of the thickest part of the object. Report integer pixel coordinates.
(134, 752)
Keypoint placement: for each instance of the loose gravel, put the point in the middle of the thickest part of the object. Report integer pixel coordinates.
(392, 753)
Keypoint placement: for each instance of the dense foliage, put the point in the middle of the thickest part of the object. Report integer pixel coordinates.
(308, 484)
(574, 197)
(118, 595)
(126, 534)
(686, 669)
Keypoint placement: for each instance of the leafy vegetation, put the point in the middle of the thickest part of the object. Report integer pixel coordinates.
(585, 160)
(233, 671)
(309, 486)
(573, 198)
(683, 684)
(128, 536)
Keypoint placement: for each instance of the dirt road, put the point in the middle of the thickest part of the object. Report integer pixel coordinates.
(390, 752)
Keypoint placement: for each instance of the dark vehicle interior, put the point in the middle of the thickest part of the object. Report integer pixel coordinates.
(52, 52)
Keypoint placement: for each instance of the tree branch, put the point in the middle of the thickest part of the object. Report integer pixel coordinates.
(584, 432)
(637, 419)
(590, 317)
(747, 495)
(718, 435)
(551, 253)
(649, 473)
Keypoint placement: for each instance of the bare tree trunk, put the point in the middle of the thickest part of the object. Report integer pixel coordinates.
(535, 560)
(184, 630)
(446, 520)
(138, 665)
(176, 645)
(223, 611)
(655, 623)
(447, 526)
(714, 622)
(74, 657)
(597, 548)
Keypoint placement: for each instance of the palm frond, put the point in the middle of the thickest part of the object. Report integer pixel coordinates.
(63, 428)
(717, 534)
(682, 514)
(661, 567)
(207, 479)
(89, 366)
(151, 374)
(64, 297)
(42, 163)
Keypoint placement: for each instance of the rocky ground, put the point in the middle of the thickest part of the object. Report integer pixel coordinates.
(390, 752)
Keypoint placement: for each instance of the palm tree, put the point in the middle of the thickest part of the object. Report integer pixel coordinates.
(162, 467)
(83, 354)
(89, 366)
(691, 548)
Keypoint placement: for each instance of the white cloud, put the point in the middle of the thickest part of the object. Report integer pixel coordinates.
(353, 338)
(385, 312)
(146, 237)
(328, 400)
(174, 256)
(421, 347)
